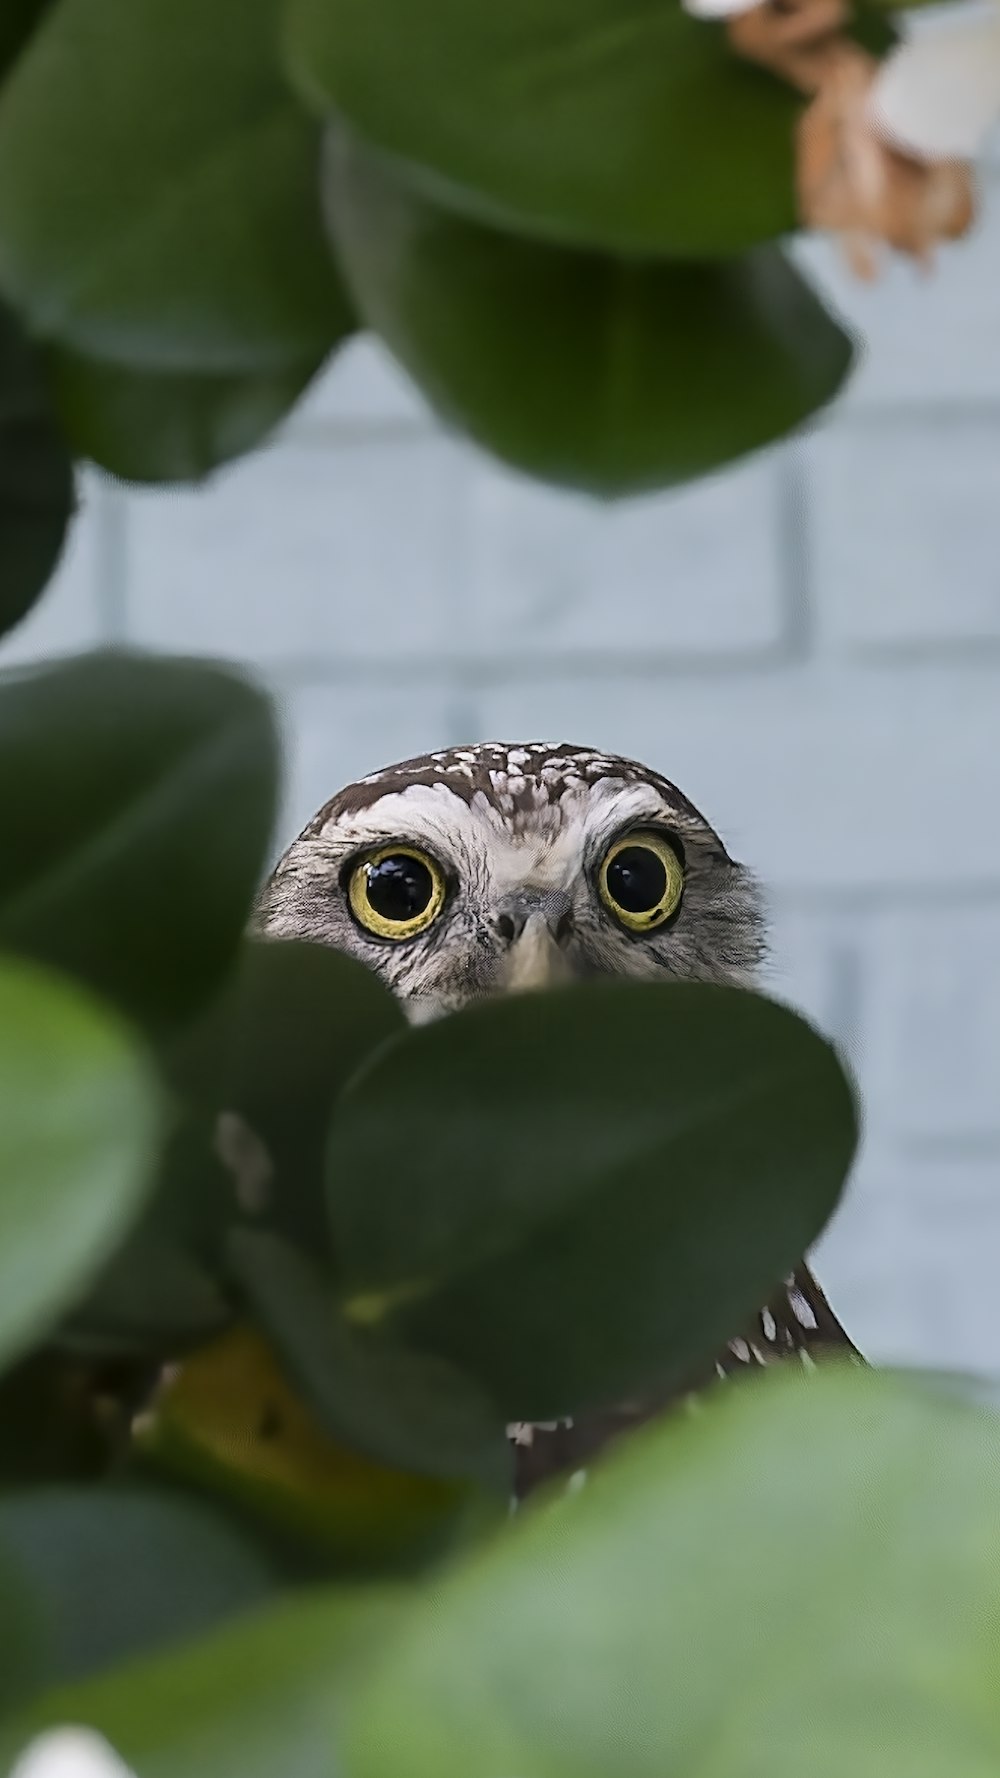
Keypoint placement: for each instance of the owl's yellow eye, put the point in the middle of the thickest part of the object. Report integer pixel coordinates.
(641, 880)
(396, 892)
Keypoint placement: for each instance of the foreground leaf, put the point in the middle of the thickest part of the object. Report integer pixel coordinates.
(163, 774)
(256, 1076)
(36, 479)
(154, 1300)
(251, 1701)
(415, 1413)
(805, 1577)
(228, 1422)
(668, 1154)
(18, 19)
(158, 426)
(606, 374)
(21, 1638)
(640, 133)
(271, 1055)
(79, 1124)
(168, 232)
(116, 1573)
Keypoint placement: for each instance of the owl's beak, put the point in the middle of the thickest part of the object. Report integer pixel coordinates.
(536, 957)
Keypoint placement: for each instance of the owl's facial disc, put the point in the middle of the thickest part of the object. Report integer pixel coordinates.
(493, 870)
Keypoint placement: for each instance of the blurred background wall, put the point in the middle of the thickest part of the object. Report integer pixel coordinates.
(809, 645)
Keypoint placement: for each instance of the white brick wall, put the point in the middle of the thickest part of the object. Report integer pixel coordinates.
(809, 644)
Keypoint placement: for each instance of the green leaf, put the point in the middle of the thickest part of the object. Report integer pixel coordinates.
(21, 1638)
(251, 1701)
(79, 1123)
(18, 19)
(157, 426)
(153, 1300)
(415, 1413)
(635, 132)
(256, 1075)
(228, 1421)
(572, 1194)
(136, 800)
(36, 479)
(295, 1022)
(118, 1572)
(606, 374)
(803, 1578)
(169, 229)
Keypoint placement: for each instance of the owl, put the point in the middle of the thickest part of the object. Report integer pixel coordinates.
(494, 868)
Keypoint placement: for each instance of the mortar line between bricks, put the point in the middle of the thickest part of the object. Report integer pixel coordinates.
(360, 429)
(111, 592)
(794, 552)
(305, 673)
(864, 413)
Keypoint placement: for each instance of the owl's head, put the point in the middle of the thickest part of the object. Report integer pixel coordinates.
(484, 869)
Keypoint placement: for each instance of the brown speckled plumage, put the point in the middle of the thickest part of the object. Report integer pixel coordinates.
(524, 826)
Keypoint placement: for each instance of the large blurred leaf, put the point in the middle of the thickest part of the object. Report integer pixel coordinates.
(79, 1121)
(154, 1300)
(254, 1701)
(415, 1413)
(256, 1076)
(606, 374)
(636, 131)
(804, 1578)
(295, 1021)
(21, 1638)
(228, 1422)
(18, 18)
(168, 229)
(136, 801)
(117, 1572)
(36, 479)
(572, 1194)
(157, 426)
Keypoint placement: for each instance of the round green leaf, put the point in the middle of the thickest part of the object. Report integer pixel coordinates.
(574, 1194)
(606, 374)
(163, 426)
(636, 132)
(250, 1701)
(79, 1124)
(116, 1573)
(170, 222)
(136, 800)
(256, 1076)
(36, 479)
(294, 1023)
(153, 1300)
(21, 1638)
(416, 1413)
(18, 19)
(229, 1421)
(805, 1577)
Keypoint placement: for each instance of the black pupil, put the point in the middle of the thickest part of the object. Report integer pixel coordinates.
(637, 879)
(399, 888)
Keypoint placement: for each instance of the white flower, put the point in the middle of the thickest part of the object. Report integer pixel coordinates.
(938, 94)
(69, 1753)
(718, 9)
